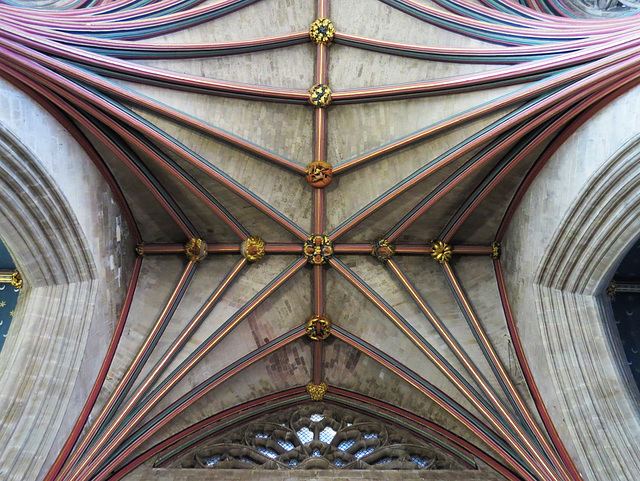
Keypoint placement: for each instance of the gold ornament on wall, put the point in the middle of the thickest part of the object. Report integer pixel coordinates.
(382, 250)
(253, 249)
(16, 280)
(319, 174)
(319, 328)
(441, 251)
(322, 31)
(318, 249)
(497, 250)
(317, 391)
(195, 250)
(140, 249)
(11, 277)
(320, 95)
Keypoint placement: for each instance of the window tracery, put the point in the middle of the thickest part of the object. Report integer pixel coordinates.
(318, 436)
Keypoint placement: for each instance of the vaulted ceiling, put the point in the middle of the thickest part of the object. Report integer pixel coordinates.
(200, 117)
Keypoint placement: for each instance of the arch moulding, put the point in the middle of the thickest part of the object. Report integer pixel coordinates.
(64, 231)
(574, 225)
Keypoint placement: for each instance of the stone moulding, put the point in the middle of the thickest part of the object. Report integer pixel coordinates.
(57, 253)
(318, 436)
(59, 286)
(595, 393)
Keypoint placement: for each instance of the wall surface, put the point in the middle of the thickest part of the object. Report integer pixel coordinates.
(67, 236)
(574, 225)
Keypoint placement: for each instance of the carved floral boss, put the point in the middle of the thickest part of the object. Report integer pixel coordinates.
(319, 328)
(319, 174)
(318, 249)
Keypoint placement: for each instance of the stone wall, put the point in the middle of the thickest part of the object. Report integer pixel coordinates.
(574, 225)
(68, 238)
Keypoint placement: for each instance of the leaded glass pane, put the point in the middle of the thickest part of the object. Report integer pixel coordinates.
(286, 444)
(305, 435)
(327, 435)
(298, 438)
(363, 452)
(344, 445)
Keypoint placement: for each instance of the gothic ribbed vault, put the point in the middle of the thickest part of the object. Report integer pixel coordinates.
(345, 216)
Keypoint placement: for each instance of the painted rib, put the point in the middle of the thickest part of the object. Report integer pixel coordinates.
(617, 84)
(526, 370)
(159, 421)
(104, 423)
(178, 148)
(495, 413)
(114, 437)
(126, 155)
(137, 99)
(176, 346)
(446, 336)
(531, 116)
(50, 102)
(448, 404)
(100, 378)
(547, 452)
(128, 27)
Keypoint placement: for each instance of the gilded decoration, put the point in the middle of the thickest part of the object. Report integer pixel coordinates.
(11, 277)
(140, 250)
(253, 249)
(382, 250)
(317, 391)
(319, 328)
(322, 31)
(497, 250)
(441, 251)
(319, 174)
(195, 249)
(318, 249)
(16, 280)
(320, 95)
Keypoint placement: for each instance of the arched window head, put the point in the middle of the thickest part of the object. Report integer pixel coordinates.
(317, 436)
